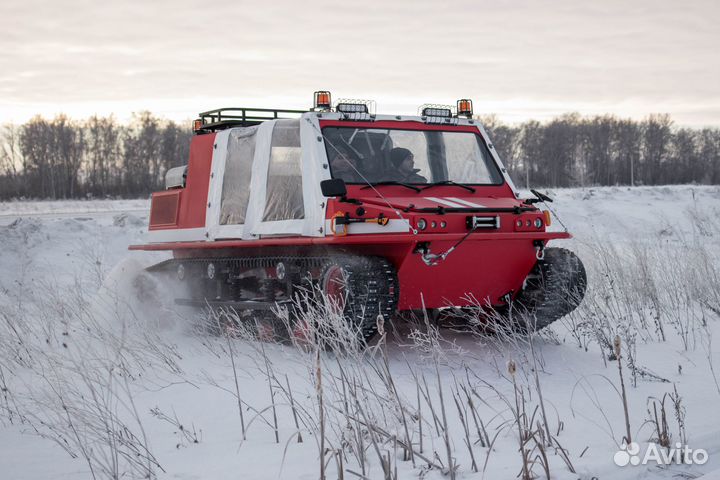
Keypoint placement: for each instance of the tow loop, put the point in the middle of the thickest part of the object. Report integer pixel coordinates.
(432, 259)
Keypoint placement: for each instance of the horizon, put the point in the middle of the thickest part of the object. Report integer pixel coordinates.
(480, 116)
(518, 60)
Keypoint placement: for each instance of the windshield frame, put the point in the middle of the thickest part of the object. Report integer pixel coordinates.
(417, 126)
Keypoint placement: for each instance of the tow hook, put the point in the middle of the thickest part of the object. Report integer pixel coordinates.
(539, 249)
(430, 259)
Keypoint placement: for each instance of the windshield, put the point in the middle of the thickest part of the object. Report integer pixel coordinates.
(361, 155)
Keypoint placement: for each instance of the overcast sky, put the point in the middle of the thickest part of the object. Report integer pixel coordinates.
(518, 59)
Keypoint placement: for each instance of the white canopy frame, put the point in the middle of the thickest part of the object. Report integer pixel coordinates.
(217, 173)
(314, 169)
(258, 181)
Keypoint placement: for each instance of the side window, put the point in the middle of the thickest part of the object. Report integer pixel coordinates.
(284, 200)
(238, 170)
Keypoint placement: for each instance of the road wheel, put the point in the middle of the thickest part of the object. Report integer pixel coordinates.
(360, 289)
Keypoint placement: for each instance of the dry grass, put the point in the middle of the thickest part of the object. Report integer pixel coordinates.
(70, 370)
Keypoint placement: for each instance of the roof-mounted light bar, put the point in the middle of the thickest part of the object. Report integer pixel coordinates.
(432, 110)
(438, 114)
(356, 110)
(322, 101)
(465, 108)
(345, 107)
(350, 108)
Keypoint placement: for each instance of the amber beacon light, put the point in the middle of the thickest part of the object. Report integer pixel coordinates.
(322, 100)
(465, 107)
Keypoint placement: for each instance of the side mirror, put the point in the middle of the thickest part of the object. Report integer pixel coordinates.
(335, 187)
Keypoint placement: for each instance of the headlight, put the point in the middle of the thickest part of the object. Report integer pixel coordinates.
(443, 224)
(538, 223)
(422, 224)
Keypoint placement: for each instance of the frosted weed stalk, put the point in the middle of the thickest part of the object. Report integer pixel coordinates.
(370, 414)
(353, 407)
(70, 368)
(646, 294)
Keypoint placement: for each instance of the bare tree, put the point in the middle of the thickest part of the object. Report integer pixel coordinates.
(103, 155)
(656, 140)
(12, 166)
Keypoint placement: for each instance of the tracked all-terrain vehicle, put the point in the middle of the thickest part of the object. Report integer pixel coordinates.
(384, 213)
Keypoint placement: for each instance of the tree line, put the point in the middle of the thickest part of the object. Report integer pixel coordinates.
(571, 151)
(99, 157)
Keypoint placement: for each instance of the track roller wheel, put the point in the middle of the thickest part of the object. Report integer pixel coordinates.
(361, 288)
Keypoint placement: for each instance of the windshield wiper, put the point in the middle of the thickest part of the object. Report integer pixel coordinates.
(392, 182)
(450, 182)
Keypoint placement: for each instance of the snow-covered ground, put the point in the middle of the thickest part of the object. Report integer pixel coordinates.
(9, 211)
(94, 381)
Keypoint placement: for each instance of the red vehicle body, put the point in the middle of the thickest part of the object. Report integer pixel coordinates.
(447, 245)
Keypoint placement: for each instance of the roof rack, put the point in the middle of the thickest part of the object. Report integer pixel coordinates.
(222, 118)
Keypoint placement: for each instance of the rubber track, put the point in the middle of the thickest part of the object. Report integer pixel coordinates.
(555, 287)
(372, 281)
(373, 289)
